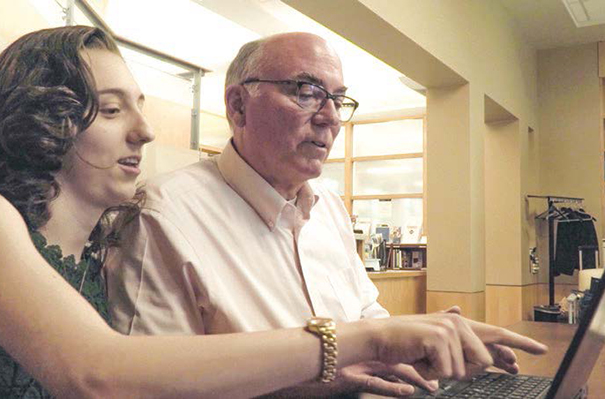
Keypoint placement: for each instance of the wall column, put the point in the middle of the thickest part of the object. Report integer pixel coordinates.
(503, 223)
(455, 201)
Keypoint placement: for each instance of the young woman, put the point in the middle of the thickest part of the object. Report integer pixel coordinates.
(71, 135)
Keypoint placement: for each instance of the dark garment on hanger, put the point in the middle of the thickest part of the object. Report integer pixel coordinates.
(572, 233)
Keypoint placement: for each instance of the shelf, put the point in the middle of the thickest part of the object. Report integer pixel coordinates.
(397, 274)
(406, 245)
(406, 256)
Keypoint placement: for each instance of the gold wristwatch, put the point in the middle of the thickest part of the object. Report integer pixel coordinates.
(325, 329)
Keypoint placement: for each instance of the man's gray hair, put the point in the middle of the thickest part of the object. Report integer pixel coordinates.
(246, 64)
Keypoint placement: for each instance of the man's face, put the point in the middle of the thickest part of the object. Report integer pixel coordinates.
(283, 142)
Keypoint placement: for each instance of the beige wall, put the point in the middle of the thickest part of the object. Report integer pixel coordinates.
(478, 40)
(571, 151)
(570, 118)
(18, 18)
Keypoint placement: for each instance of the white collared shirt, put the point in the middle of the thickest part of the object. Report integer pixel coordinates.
(217, 250)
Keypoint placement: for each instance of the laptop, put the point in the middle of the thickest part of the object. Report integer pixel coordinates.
(570, 380)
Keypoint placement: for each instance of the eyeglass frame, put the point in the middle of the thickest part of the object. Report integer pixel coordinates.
(299, 83)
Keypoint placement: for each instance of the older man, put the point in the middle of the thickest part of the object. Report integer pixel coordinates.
(243, 241)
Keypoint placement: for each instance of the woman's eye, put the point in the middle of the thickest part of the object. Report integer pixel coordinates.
(111, 111)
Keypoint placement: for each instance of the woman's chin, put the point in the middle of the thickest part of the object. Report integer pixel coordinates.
(119, 197)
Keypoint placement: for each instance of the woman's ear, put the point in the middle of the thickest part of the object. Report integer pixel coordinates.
(235, 100)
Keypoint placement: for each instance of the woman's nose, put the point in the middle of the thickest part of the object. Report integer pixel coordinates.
(141, 131)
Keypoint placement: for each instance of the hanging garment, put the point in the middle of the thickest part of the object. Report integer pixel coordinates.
(573, 229)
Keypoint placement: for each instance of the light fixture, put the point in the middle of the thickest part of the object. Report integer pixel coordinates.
(586, 12)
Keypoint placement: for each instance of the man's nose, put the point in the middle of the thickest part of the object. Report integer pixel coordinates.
(328, 114)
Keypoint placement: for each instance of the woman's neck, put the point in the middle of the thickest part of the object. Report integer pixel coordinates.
(72, 220)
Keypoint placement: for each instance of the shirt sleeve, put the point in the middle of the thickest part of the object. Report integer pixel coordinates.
(152, 286)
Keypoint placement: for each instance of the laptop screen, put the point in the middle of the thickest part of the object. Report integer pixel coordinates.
(583, 351)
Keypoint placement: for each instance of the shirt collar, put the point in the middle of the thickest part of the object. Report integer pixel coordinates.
(256, 191)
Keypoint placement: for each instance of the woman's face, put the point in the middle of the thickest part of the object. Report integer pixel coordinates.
(103, 165)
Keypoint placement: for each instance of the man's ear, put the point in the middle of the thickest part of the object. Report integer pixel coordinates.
(235, 100)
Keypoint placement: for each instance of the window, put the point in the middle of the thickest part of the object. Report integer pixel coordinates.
(378, 169)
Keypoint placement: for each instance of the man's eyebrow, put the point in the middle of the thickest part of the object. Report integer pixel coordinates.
(307, 77)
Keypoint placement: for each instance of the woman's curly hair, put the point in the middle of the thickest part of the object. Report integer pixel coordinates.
(47, 97)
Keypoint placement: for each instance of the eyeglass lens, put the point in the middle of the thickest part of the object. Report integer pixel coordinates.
(313, 97)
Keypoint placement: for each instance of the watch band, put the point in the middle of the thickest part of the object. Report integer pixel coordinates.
(325, 329)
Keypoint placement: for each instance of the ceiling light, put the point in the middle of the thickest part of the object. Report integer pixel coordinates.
(586, 12)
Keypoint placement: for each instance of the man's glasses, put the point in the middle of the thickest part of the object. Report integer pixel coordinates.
(312, 97)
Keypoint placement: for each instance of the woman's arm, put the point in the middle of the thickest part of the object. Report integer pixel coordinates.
(60, 339)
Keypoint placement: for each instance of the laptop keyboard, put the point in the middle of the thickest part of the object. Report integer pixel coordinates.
(491, 386)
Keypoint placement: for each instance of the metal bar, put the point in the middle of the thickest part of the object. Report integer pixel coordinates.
(551, 263)
(69, 13)
(555, 197)
(195, 111)
(96, 19)
(159, 55)
(92, 15)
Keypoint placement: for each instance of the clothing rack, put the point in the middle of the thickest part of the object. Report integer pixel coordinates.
(551, 200)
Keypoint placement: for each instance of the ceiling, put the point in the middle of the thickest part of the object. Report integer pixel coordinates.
(548, 24)
(209, 33)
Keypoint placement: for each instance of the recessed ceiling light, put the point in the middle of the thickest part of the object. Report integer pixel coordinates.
(586, 12)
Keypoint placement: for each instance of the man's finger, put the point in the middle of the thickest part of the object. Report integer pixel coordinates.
(379, 386)
(409, 374)
(457, 345)
(438, 360)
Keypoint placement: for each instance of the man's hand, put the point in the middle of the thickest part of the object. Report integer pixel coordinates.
(370, 377)
(438, 345)
(384, 379)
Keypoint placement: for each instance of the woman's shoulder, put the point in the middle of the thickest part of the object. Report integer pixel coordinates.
(11, 221)
(8, 210)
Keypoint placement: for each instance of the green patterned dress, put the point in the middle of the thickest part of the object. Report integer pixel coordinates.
(84, 276)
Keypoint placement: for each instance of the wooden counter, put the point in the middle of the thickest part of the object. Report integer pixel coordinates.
(401, 291)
